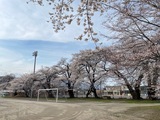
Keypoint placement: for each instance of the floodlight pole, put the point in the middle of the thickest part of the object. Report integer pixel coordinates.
(35, 53)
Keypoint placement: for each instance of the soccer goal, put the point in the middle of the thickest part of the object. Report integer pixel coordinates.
(45, 90)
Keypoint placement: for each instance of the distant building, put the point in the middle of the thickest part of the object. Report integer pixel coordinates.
(113, 91)
(122, 92)
(11, 93)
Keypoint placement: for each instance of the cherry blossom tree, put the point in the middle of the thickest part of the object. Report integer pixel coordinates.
(28, 85)
(117, 64)
(65, 74)
(136, 28)
(47, 77)
(88, 62)
(130, 65)
(31, 83)
(18, 85)
(5, 81)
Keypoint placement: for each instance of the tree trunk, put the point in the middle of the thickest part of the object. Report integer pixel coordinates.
(137, 93)
(137, 87)
(15, 93)
(26, 91)
(153, 82)
(48, 86)
(71, 93)
(50, 94)
(134, 93)
(70, 90)
(95, 93)
(149, 87)
(88, 93)
(92, 89)
(155, 75)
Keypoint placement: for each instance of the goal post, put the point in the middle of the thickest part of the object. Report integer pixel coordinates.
(53, 89)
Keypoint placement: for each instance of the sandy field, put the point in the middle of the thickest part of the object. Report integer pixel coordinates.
(11, 109)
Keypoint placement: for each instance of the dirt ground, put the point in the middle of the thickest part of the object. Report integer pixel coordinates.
(11, 109)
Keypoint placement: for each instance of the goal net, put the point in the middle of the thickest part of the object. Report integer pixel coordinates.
(55, 90)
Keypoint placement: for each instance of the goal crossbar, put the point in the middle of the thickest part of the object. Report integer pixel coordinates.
(54, 89)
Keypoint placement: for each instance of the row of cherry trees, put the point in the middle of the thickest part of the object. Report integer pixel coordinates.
(92, 66)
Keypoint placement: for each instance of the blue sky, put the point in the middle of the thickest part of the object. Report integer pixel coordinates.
(16, 55)
(23, 29)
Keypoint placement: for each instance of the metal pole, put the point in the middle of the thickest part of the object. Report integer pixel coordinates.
(38, 96)
(57, 96)
(34, 65)
(35, 53)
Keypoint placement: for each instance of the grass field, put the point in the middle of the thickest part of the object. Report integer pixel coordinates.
(145, 112)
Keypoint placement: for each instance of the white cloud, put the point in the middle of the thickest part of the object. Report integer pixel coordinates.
(14, 62)
(23, 21)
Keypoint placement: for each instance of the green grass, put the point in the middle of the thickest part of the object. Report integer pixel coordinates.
(86, 100)
(77, 100)
(109, 100)
(145, 112)
(140, 101)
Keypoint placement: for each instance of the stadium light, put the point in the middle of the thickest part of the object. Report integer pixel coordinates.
(35, 53)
